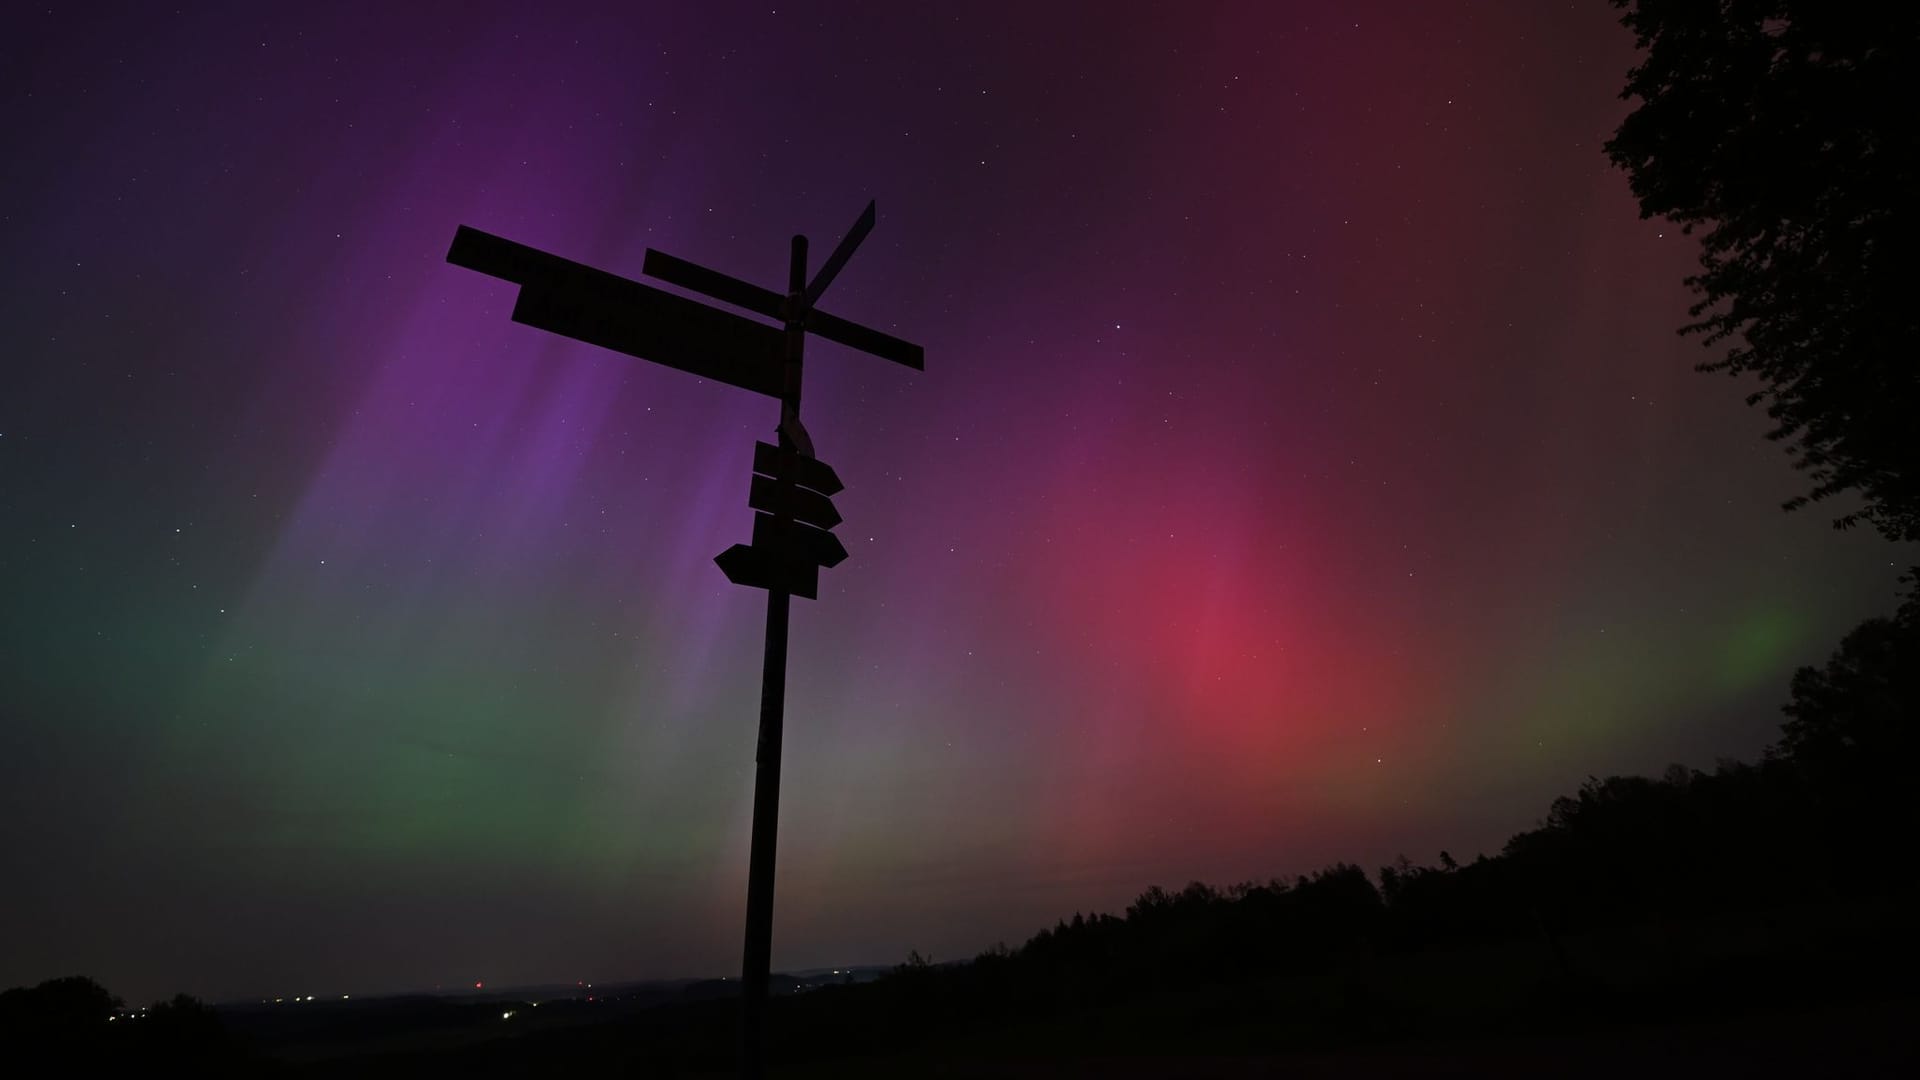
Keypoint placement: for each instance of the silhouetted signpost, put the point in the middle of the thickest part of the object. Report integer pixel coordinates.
(791, 491)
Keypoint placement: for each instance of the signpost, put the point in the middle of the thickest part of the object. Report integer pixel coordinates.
(791, 489)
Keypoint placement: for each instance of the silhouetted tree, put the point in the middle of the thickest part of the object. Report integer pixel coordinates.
(1862, 708)
(1783, 129)
(71, 1020)
(58, 1009)
(1853, 731)
(183, 1031)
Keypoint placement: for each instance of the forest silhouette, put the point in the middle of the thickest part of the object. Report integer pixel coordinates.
(1682, 898)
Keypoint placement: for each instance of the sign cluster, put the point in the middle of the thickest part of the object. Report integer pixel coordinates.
(793, 495)
(791, 489)
(791, 492)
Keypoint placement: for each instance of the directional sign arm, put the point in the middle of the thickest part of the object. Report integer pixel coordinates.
(759, 568)
(803, 542)
(661, 327)
(722, 287)
(497, 256)
(831, 268)
(853, 335)
(591, 305)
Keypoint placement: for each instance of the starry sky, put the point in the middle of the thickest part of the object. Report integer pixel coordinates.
(1305, 468)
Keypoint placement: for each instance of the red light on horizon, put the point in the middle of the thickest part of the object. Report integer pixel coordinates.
(479, 986)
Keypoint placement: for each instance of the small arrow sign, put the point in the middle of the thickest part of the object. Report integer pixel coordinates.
(797, 503)
(786, 465)
(816, 546)
(758, 568)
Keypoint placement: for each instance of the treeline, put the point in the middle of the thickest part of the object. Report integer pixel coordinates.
(76, 1023)
(1824, 821)
(1825, 818)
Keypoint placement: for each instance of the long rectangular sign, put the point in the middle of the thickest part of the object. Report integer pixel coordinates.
(591, 305)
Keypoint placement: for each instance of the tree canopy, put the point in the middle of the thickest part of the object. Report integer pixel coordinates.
(1782, 130)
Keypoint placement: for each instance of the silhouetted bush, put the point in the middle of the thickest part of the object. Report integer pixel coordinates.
(76, 1022)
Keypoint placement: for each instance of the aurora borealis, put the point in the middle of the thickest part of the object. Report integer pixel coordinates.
(1305, 468)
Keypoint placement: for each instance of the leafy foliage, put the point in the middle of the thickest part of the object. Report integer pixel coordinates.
(1783, 130)
(1856, 722)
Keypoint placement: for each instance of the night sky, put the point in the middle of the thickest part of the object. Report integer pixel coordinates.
(1305, 468)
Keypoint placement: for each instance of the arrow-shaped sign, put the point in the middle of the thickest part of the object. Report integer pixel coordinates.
(816, 546)
(795, 502)
(812, 473)
(761, 568)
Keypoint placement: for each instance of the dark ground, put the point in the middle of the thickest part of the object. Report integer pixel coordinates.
(1782, 993)
(1858, 1040)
